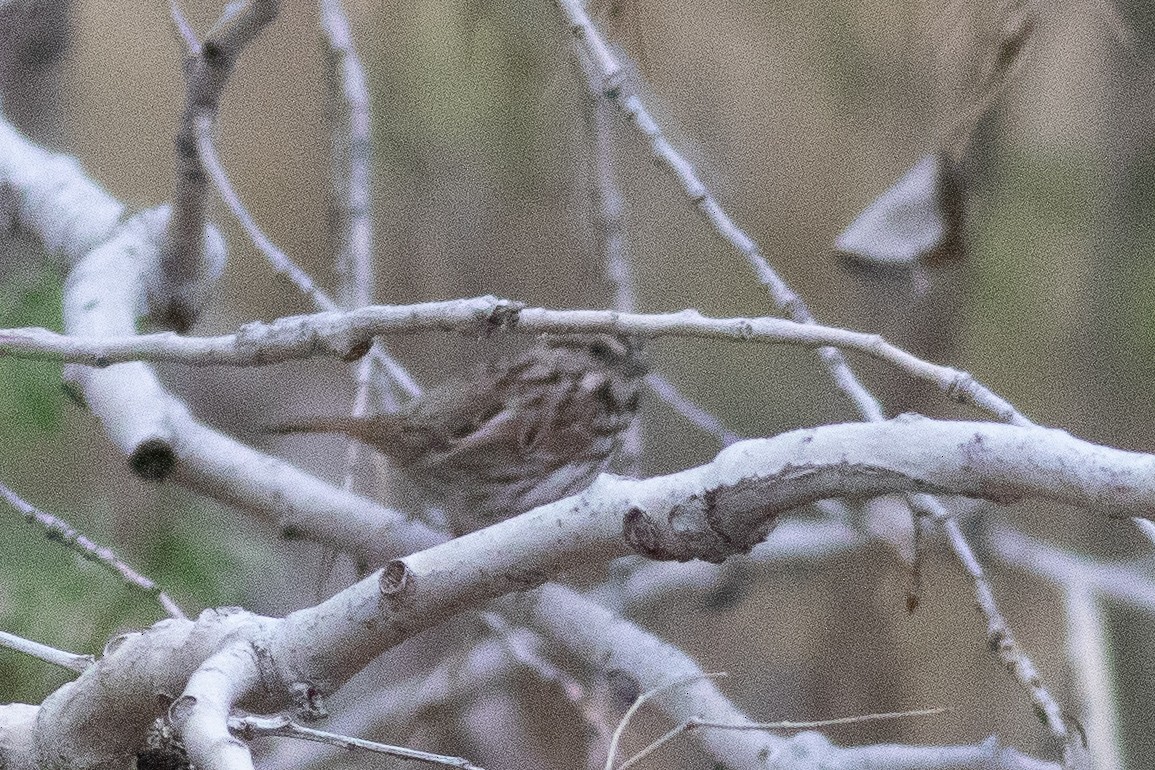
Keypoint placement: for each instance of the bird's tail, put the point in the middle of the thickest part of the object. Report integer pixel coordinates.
(357, 427)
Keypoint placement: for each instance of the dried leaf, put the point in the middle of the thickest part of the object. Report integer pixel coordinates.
(918, 220)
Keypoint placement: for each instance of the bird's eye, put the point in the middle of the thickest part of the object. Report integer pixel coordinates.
(529, 436)
(461, 430)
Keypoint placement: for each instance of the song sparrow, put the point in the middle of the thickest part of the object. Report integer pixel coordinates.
(514, 434)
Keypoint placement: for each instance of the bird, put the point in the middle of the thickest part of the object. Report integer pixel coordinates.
(513, 434)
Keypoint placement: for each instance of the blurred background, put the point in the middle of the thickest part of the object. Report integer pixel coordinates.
(797, 115)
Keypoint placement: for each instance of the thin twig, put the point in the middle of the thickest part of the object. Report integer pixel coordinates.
(280, 261)
(358, 238)
(692, 724)
(62, 532)
(365, 372)
(69, 660)
(999, 637)
(352, 220)
(351, 214)
(183, 29)
(345, 334)
(613, 86)
(812, 725)
(249, 726)
(610, 208)
(641, 701)
(666, 737)
(691, 410)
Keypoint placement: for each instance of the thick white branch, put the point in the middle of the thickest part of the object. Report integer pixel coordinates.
(162, 440)
(128, 401)
(713, 511)
(193, 255)
(201, 714)
(18, 736)
(99, 719)
(55, 201)
(708, 512)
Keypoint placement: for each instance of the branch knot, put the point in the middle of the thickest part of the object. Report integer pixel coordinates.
(503, 314)
(693, 530)
(394, 579)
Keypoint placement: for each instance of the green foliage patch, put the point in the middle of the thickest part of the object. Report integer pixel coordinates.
(30, 393)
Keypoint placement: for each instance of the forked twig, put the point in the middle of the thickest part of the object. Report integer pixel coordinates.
(641, 701)
(692, 724)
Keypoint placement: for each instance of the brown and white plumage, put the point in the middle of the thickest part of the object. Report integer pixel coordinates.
(514, 434)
